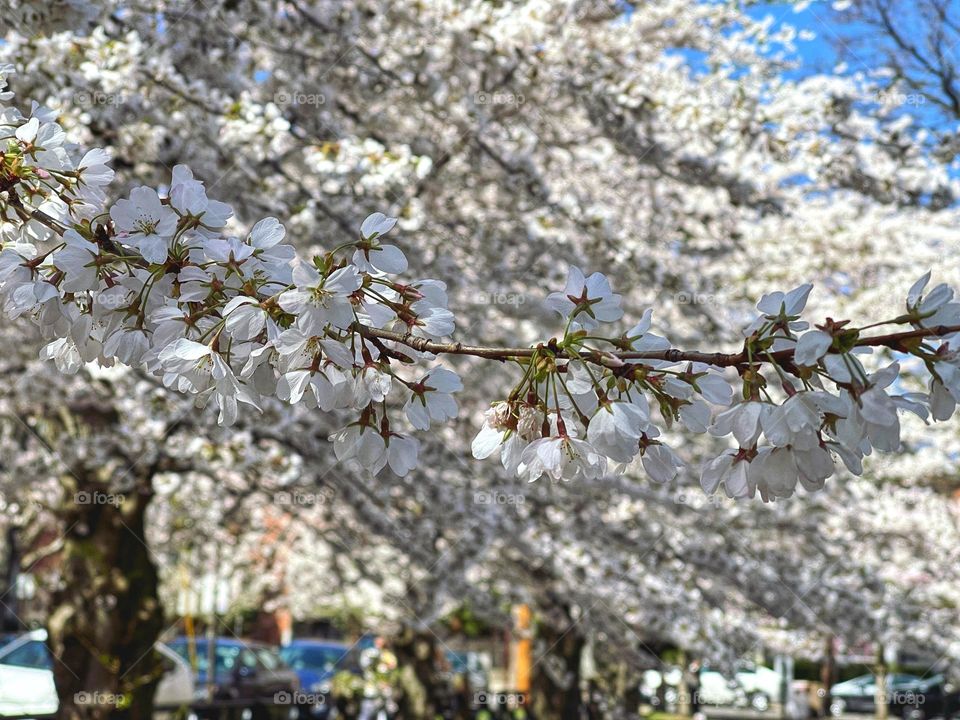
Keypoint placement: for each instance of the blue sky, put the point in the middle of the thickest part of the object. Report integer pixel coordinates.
(819, 54)
(823, 53)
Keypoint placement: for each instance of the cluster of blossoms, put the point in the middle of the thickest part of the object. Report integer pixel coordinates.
(583, 405)
(157, 282)
(806, 396)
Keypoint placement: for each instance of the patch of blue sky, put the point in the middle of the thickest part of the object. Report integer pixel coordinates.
(824, 46)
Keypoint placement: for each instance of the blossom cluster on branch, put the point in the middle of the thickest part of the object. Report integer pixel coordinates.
(156, 281)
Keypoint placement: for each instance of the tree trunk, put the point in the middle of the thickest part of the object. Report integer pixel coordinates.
(424, 694)
(555, 686)
(105, 615)
(631, 699)
(880, 678)
(10, 612)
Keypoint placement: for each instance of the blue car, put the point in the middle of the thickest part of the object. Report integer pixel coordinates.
(317, 661)
(245, 674)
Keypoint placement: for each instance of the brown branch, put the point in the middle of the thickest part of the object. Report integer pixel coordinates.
(28, 214)
(894, 341)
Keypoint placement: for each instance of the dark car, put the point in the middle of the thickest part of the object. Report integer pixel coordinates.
(316, 662)
(249, 675)
(908, 696)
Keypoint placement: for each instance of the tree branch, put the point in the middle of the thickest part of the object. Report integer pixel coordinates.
(894, 341)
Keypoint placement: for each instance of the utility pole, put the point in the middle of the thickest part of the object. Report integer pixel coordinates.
(828, 674)
(212, 625)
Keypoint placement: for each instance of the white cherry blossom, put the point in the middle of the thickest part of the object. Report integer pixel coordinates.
(372, 256)
(616, 427)
(588, 301)
(78, 261)
(145, 223)
(562, 458)
(432, 399)
(318, 301)
(812, 346)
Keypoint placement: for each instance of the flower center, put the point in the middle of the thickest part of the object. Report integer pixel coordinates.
(147, 225)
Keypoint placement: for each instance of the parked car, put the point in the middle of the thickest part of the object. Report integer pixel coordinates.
(246, 674)
(468, 665)
(316, 662)
(908, 696)
(26, 678)
(755, 686)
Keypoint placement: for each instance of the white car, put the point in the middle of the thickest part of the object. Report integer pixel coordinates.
(26, 678)
(756, 686)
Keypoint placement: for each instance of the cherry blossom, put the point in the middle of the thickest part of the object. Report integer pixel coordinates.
(616, 428)
(587, 301)
(562, 458)
(78, 261)
(244, 317)
(432, 399)
(189, 198)
(145, 223)
(319, 301)
(811, 347)
(371, 255)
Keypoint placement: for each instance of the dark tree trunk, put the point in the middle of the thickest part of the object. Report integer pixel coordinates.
(424, 693)
(10, 612)
(105, 615)
(631, 699)
(555, 685)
